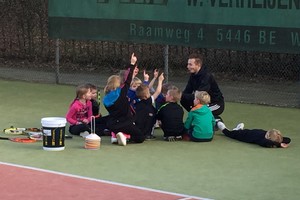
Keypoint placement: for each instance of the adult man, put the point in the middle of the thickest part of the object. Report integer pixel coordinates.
(201, 80)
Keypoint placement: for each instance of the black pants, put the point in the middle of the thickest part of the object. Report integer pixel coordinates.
(217, 108)
(77, 129)
(192, 138)
(101, 125)
(135, 133)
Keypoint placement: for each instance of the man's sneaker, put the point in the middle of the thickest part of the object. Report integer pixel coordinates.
(217, 119)
(84, 134)
(221, 125)
(150, 137)
(240, 126)
(121, 139)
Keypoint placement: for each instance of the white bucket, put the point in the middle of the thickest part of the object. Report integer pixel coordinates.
(53, 133)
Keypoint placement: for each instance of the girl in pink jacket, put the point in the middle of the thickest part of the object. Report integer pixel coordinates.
(80, 112)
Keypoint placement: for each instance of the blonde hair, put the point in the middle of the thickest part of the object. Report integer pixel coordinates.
(165, 87)
(113, 82)
(175, 93)
(123, 75)
(274, 135)
(136, 80)
(142, 91)
(203, 97)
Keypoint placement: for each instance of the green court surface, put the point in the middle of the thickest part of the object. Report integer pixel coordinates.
(222, 169)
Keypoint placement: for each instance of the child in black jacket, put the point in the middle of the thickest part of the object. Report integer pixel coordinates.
(171, 115)
(145, 112)
(120, 118)
(270, 138)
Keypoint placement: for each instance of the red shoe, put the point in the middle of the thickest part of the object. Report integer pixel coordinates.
(114, 137)
(186, 137)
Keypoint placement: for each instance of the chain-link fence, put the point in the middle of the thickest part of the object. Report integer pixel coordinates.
(26, 53)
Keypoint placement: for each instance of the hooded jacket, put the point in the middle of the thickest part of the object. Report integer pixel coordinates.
(201, 121)
(116, 103)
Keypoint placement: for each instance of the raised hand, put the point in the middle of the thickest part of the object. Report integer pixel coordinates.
(146, 76)
(133, 59)
(161, 77)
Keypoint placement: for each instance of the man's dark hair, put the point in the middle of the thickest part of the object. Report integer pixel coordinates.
(198, 58)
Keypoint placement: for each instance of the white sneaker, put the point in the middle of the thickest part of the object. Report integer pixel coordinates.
(121, 139)
(240, 126)
(221, 125)
(113, 140)
(84, 134)
(156, 125)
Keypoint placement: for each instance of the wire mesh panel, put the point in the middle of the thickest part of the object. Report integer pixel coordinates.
(27, 53)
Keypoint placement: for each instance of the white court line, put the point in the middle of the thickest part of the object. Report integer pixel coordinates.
(185, 197)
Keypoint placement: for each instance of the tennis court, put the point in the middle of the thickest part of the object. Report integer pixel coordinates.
(221, 169)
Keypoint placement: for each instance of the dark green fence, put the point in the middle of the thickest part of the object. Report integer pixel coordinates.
(27, 53)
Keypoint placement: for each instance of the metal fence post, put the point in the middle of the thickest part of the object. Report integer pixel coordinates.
(166, 63)
(57, 75)
(298, 96)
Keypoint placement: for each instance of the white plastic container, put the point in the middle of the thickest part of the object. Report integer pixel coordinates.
(53, 133)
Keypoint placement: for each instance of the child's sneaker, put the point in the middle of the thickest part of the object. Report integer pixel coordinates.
(84, 134)
(240, 126)
(113, 138)
(178, 138)
(156, 125)
(122, 140)
(221, 125)
(186, 137)
(170, 139)
(127, 136)
(150, 137)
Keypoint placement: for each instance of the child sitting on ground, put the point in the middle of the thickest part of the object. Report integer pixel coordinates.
(145, 111)
(120, 118)
(80, 112)
(100, 121)
(131, 94)
(94, 99)
(270, 138)
(161, 99)
(171, 115)
(200, 120)
(136, 82)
